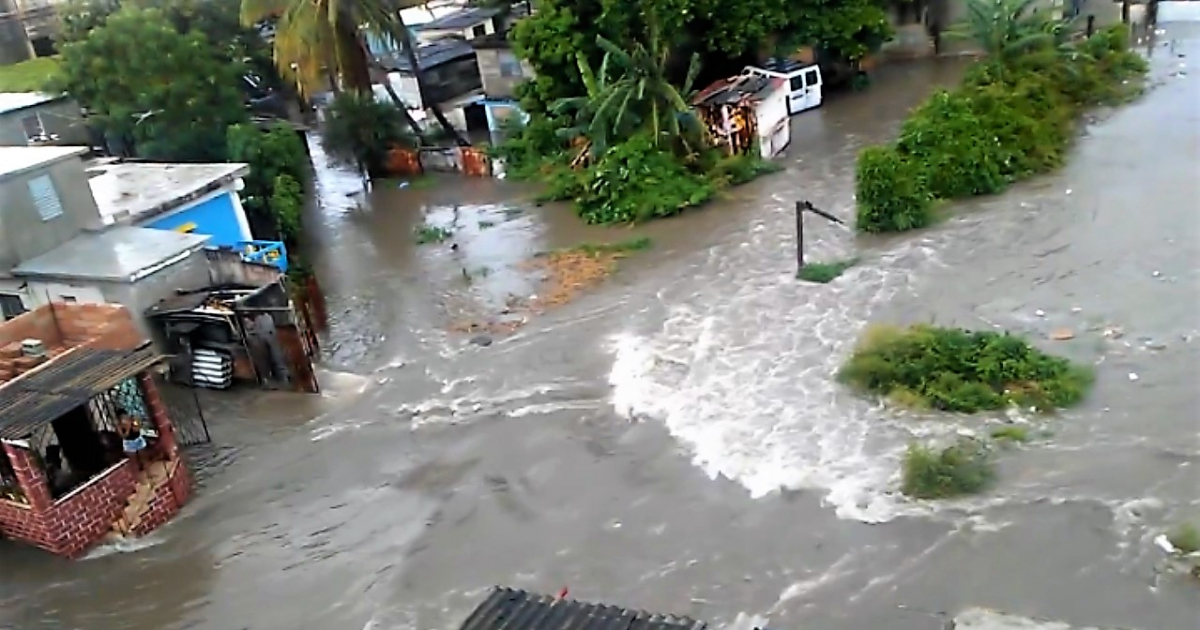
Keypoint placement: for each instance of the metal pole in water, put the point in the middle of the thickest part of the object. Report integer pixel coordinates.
(800, 235)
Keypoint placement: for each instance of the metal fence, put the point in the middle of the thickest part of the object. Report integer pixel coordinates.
(183, 407)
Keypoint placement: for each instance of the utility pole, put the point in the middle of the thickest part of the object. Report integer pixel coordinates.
(801, 208)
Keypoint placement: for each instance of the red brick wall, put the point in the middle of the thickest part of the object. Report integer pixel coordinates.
(76, 523)
(60, 326)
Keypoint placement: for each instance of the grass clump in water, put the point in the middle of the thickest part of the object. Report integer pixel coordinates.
(426, 234)
(1010, 433)
(962, 468)
(951, 369)
(825, 273)
(1185, 538)
(638, 244)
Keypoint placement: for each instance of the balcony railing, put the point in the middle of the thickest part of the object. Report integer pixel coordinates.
(265, 252)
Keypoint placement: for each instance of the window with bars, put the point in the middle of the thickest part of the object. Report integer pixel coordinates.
(126, 396)
(10, 488)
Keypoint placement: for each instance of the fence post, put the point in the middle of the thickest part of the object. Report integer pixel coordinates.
(1091, 25)
(200, 412)
(799, 235)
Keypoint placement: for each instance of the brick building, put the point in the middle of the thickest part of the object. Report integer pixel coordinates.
(67, 372)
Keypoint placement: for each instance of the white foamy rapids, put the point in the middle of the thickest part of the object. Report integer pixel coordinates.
(743, 375)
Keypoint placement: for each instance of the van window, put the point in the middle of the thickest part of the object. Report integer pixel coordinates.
(810, 76)
(797, 83)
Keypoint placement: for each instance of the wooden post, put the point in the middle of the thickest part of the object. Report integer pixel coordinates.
(800, 235)
(1091, 25)
(1125, 11)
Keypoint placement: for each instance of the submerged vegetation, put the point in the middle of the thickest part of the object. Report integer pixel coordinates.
(962, 468)
(950, 369)
(1012, 117)
(1185, 538)
(825, 273)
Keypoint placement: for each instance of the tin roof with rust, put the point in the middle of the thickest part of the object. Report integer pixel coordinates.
(68, 381)
(515, 609)
(753, 87)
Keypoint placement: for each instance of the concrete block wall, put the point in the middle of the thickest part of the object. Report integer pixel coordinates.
(60, 326)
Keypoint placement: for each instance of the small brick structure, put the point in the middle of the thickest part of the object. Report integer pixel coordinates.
(99, 364)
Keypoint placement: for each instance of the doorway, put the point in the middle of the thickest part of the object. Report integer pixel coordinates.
(476, 118)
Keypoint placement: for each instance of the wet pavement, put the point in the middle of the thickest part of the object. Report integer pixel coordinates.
(674, 440)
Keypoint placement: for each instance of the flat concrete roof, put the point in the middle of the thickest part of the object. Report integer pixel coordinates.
(17, 160)
(119, 254)
(16, 101)
(131, 191)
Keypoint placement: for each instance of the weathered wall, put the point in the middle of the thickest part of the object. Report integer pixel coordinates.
(61, 326)
(227, 267)
(25, 234)
(189, 273)
(501, 71)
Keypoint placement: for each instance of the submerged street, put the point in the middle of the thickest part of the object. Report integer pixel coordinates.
(675, 440)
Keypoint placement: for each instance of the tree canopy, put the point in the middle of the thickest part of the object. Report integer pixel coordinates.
(171, 93)
(721, 32)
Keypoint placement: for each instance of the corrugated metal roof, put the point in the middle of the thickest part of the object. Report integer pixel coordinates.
(65, 383)
(736, 89)
(429, 55)
(460, 19)
(514, 609)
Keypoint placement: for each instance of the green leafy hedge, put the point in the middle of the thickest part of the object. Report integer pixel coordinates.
(1007, 121)
(951, 369)
(965, 467)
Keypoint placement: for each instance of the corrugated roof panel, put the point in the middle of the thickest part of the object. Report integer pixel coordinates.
(513, 609)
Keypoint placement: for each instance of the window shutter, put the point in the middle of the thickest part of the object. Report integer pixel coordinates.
(45, 197)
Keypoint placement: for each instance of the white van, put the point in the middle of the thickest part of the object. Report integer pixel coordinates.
(804, 81)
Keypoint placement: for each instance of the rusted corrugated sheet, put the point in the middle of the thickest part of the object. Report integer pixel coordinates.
(65, 383)
(514, 609)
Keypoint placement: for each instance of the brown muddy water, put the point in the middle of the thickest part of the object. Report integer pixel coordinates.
(674, 440)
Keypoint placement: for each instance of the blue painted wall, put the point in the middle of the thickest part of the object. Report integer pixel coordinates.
(215, 217)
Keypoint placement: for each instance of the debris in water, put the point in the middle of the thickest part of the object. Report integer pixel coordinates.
(1154, 344)
(481, 340)
(1113, 332)
(1133, 376)
(1156, 273)
(1040, 313)
(1068, 191)
(1164, 543)
(1076, 309)
(1062, 334)
(403, 184)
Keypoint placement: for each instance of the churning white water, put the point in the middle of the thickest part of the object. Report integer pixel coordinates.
(742, 374)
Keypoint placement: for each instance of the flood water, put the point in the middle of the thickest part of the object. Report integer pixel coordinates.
(674, 440)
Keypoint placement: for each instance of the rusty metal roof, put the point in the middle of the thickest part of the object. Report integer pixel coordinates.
(65, 383)
(514, 609)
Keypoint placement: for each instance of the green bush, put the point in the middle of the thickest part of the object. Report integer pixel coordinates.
(960, 154)
(530, 149)
(962, 468)
(1185, 538)
(1010, 433)
(825, 273)
(1012, 117)
(891, 192)
(271, 154)
(952, 369)
(287, 205)
(360, 131)
(636, 181)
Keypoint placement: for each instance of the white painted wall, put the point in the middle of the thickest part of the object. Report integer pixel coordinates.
(489, 27)
(1185, 11)
(405, 87)
(772, 116)
(41, 293)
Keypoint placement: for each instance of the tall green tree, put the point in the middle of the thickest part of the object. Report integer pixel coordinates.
(1006, 29)
(171, 93)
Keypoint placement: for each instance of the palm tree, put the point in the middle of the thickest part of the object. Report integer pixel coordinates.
(319, 41)
(631, 93)
(1006, 29)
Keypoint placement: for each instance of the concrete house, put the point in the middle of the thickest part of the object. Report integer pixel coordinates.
(131, 235)
(500, 71)
(35, 119)
(451, 77)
